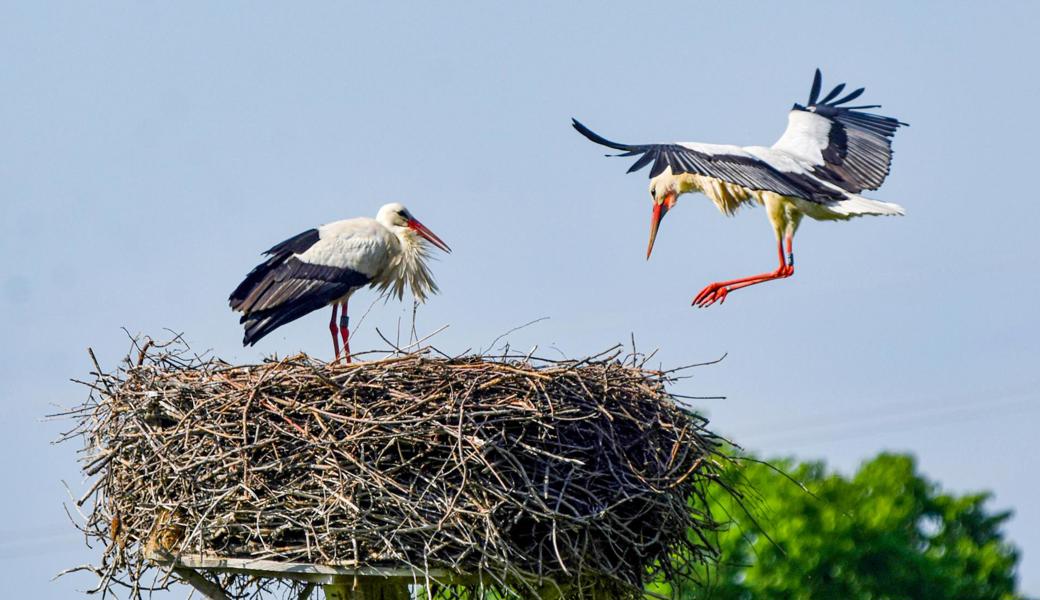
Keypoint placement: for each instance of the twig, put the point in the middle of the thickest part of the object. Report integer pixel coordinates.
(523, 473)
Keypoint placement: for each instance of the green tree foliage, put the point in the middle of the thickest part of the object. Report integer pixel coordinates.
(886, 533)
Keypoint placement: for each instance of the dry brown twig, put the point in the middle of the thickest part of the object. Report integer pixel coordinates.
(516, 472)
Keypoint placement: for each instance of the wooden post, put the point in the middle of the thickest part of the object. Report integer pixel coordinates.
(345, 581)
(208, 589)
(368, 588)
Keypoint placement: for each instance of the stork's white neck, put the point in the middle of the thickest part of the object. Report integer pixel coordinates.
(727, 197)
(408, 266)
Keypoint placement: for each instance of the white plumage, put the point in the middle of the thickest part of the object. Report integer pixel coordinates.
(361, 244)
(826, 156)
(805, 136)
(325, 265)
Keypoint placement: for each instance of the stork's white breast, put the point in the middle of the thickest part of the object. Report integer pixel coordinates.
(362, 245)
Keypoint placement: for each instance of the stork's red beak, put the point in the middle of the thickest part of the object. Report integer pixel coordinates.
(661, 208)
(422, 230)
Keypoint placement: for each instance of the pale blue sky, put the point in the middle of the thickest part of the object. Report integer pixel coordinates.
(148, 153)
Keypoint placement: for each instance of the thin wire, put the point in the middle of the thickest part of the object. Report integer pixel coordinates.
(878, 410)
(847, 430)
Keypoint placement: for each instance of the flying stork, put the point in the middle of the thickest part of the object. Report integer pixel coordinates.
(828, 154)
(325, 265)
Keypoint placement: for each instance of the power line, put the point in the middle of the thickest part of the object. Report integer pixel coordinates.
(938, 403)
(39, 545)
(902, 422)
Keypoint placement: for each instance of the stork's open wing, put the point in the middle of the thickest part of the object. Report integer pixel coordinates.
(850, 148)
(731, 164)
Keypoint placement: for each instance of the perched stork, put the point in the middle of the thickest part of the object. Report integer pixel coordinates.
(324, 266)
(826, 156)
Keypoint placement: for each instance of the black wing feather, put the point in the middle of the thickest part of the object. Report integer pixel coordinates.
(852, 96)
(278, 253)
(858, 155)
(643, 161)
(744, 171)
(285, 288)
(834, 93)
(814, 92)
(602, 141)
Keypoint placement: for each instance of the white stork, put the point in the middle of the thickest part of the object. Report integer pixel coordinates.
(826, 156)
(324, 266)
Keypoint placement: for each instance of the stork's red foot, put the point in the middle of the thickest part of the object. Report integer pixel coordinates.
(712, 293)
(716, 292)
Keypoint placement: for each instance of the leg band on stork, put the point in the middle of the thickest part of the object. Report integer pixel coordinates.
(344, 331)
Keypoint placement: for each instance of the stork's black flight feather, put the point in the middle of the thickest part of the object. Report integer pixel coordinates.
(740, 169)
(858, 151)
(284, 288)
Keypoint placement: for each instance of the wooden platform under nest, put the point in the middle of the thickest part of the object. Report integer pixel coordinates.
(511, 473)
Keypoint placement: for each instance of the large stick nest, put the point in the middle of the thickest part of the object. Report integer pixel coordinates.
(512, 471)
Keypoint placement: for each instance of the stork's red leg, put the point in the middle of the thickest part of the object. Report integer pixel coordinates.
(332, 328)
(716, 292)
(720, 288)
(790, 256)
(344, 331)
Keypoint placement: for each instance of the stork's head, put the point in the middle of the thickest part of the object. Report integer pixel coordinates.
(397, 218)
(664, 191)
(408, 265)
